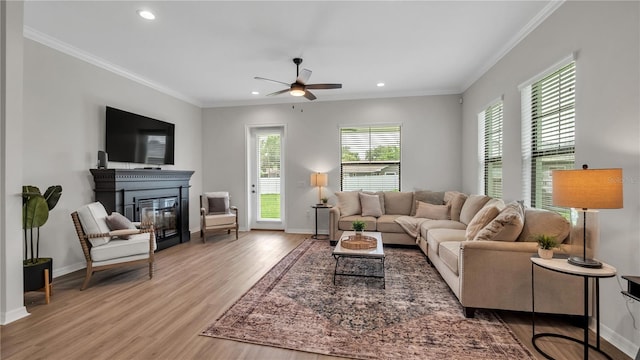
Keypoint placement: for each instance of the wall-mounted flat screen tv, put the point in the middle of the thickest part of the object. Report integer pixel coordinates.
(138, 139)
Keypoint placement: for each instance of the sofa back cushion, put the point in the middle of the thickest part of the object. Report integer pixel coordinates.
(507, 226)
(471, 206)
(455, 200)
(398, 202)
(430, 197)
(348, 203)
(370, 204)
(539, 221)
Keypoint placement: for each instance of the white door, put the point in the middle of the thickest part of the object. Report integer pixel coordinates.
(266, 177)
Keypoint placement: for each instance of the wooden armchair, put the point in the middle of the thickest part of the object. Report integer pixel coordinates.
(216, 214)
(105, 249)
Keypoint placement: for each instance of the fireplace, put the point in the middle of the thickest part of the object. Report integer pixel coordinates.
(161, 196)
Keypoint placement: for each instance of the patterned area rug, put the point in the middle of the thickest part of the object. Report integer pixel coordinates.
(296, 306)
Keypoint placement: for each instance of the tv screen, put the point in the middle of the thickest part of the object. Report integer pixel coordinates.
(138, 139)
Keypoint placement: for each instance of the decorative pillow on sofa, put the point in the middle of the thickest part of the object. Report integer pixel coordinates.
(471, 206)
(380, 197)
(482, 218)
(426, 196)
(370, 205)
(431, 211)
(117, 221)
(348, 202)
(507, 226)
(455, 200)
(539, 221)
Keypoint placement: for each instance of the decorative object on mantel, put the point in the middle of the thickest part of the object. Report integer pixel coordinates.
(37, 271)
(319, 180)
(295, 306)
(546, 244)
(584, 190)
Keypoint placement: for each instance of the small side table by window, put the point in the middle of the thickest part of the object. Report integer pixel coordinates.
(562, 266)
(316, 207)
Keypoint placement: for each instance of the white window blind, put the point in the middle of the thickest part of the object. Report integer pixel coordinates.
(370, 158)
(548, 133)
(491, 127)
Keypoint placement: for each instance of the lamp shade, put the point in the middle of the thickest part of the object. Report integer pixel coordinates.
(319, 179)
(588, 188)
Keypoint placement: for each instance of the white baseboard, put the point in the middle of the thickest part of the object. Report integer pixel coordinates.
(618, 341)
(13, 315)
(69, 269)
(300, 231)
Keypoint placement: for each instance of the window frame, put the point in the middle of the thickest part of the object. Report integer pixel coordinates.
(365, 183)
(548, 103)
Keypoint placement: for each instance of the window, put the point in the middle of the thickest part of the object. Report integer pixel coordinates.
(548, 133)
(370, 158)
(491, 149)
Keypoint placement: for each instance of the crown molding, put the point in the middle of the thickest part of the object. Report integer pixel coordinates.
(73, 51)
(549, 9)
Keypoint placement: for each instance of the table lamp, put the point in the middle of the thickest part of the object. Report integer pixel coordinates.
(587, 189)
(319, 180)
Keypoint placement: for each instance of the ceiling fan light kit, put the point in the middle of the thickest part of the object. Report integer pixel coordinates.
(300, 86)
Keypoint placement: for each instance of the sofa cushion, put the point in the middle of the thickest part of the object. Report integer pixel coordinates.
(482, 218)
(431, 211)
(426, 226)
(93, 218)
(506, 226)
(136, 245)
(398, 202)
(387, 224)
(430, 197)
(370, 205)
(380, 197)
(455, 200)
(345, 222)
(449, 254)
(437, 236)
(539, 221)
(117, 221)
(348, 202)
(471, 206)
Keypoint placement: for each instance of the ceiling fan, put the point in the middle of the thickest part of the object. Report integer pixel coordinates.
(300, 86)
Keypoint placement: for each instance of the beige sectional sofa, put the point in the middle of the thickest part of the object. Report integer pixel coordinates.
(480, 246)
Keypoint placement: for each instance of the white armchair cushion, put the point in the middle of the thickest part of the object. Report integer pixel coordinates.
(219, 220)
(93, 219)
(136, 245)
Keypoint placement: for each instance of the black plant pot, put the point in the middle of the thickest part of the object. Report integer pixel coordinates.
(33, 274)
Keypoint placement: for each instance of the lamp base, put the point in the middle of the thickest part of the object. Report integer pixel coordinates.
(584, 262)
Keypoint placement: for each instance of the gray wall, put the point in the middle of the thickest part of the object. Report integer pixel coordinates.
(63, 130)
(606, 38)
(431, 146)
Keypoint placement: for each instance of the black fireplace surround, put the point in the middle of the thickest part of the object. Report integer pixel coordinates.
(148, 194)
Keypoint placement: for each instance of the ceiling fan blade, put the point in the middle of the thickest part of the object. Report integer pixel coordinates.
(309, 95)
(278, 92)
(304, 75)
(279, 82)
(324, 86)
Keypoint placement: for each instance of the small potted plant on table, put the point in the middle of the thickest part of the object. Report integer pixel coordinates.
(546, 244)
(358, 227)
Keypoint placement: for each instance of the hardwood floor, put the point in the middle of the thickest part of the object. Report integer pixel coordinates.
(124, 315)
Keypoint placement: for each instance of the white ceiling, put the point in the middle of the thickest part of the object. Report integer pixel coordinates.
(208, 52)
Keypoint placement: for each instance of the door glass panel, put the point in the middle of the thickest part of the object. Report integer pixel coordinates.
(269, 149)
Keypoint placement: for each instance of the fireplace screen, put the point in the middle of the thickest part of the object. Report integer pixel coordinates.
(163, 213)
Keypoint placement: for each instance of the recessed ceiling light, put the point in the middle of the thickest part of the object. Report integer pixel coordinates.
(255, 93)
(146, 14)
(380, 84)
